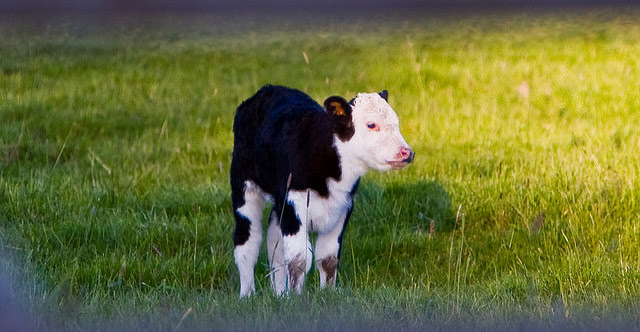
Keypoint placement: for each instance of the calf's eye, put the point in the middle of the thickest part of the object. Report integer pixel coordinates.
(373, 126)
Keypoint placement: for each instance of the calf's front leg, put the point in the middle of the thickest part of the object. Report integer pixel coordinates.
(327, 251)
(295, 239)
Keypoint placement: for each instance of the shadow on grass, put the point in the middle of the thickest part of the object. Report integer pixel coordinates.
(419, 203)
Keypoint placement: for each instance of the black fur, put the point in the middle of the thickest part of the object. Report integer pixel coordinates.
(241, 233)
(281, 132)
(290, 224)
(340, 112)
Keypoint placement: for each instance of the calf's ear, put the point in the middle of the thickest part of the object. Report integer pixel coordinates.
(384, 94)
(337, 106)
(340, 112)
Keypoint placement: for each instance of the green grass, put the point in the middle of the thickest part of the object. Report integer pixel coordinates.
(116, 141)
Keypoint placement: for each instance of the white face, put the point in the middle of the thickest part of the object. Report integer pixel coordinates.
(377, 141)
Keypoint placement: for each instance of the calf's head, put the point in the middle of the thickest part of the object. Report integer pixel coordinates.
(369, 131)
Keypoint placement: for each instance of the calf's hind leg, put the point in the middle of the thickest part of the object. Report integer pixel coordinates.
(248, 233)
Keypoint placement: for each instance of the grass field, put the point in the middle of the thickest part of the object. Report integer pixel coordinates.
(115, 145)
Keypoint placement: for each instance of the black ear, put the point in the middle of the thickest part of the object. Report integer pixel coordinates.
(337, 106)
(384, 94)
(340, 112)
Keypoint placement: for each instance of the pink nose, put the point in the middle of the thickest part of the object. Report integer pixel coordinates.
(406, 154)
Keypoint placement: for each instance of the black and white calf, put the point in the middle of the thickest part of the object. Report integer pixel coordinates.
(307, 160)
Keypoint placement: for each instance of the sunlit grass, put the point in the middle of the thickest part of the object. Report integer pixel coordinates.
(116, 142)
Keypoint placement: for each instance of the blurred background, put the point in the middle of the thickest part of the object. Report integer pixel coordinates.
(35, 5)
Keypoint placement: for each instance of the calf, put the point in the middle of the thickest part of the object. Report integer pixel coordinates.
(307, 160)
